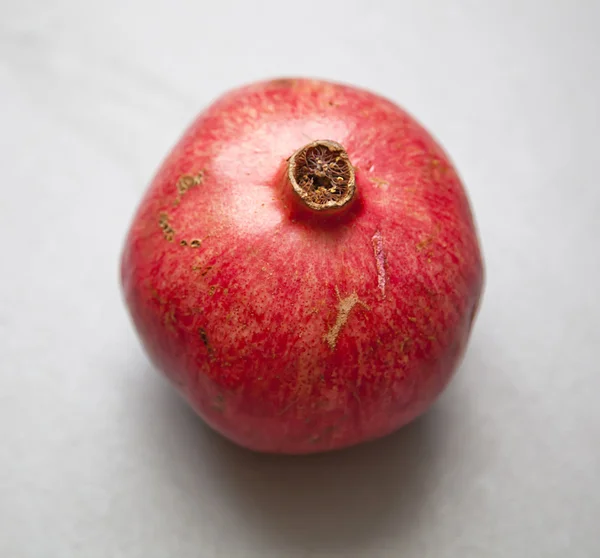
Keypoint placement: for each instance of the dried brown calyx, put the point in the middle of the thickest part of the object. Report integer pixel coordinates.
(322, 175)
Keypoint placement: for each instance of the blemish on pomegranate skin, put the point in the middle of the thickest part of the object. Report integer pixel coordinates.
(187, 181)
(204, 337)
(200, 267)
(378, 252)
(423, 244)
(170, 320)
(284, 82)
(379, 182)
(219, 403)
(287, 407)
(345, 306)
(163, 223)
(206, 342)
(184, 183)
(439, 169)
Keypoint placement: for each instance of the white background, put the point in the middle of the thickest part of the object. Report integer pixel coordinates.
(98, 456)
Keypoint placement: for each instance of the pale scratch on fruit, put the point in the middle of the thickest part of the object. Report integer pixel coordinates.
(219, 403)
(345, 306)
(377, 241)
(287, 407)
(170, 320)
(379, 182)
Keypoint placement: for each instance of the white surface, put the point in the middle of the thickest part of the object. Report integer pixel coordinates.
(99, 458)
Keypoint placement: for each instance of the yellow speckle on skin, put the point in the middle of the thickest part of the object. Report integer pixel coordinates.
(404, 343)
(345, 306)
(438, 168)
(379, 182)
(170, 320)
(427, 242)
(424, 243)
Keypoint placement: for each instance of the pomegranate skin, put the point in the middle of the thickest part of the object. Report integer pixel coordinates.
(291, 331)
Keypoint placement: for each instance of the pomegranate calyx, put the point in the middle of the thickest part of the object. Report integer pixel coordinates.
(322, 176)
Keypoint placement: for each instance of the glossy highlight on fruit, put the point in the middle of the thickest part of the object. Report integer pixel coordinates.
(304, 266)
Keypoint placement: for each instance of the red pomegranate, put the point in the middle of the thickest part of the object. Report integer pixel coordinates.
(304, 267)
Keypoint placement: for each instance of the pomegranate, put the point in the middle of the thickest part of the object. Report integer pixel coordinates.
(304, 267)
